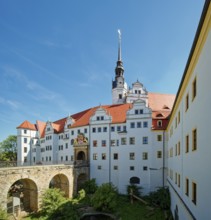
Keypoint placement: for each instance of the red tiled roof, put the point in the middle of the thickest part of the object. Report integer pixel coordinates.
(160, 104)
(27, 125)
(41, 128)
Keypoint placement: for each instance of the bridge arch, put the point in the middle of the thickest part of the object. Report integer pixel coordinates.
(22, 196)
(60, 181)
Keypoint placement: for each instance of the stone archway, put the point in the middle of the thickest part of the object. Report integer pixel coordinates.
(22, 196)
(81, 179)
(60, 181)
(81, 156)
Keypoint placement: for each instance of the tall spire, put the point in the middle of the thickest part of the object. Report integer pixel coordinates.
(119, 67)
(119, 48)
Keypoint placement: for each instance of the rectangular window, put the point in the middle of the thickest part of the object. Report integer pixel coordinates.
(194, 89)
(178, 182)
(79, 131)
(115, 156)
(187, 187)
(194, 139)
(72, 132)
(93, 130)
(123, 141)
(112, 128)
(66, 145)
(141, 111)
(98, 118)
(136, 111)
(159, 154)
(178, 148)
(115, 167)
(186, 102)
(49, 158)
(178, 117)
(187, 144)
(94, 156)
(66, 158)
(194, 192)
(145, 124)
(103, 143)
(124, 128)
(132, 140)
(145, 140)
(103, 156)
(25, 159)
(145, 156)
(118, 128)
(25, 131)
(132, 156)
(99, 129)
(159, 137)
(25, 149)
(61, 158)
(85, 130)
(145, 168)
(99, 167)
(132, 125)
(139, 124)
(117, 142)
(113, 143)
(94, 143)
(25, 140)
(104, 129)
(132, 168)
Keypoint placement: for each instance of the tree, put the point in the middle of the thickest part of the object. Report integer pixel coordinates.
(8, 149)
(105, 198)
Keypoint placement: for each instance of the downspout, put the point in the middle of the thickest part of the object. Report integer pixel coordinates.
(163, 174)
(109, 145)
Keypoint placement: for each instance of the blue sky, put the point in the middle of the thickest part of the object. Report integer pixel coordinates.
(57, 57)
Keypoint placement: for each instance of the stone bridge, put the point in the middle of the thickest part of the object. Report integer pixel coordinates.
(34, 180)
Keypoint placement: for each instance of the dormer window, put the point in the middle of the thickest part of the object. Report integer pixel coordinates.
(48, 129)
(159, 123)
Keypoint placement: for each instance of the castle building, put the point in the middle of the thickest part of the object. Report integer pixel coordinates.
(123, 143)
(144, 138)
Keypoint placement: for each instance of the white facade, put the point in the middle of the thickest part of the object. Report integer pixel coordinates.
(189, 151)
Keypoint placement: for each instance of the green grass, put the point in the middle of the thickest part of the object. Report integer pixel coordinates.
(137, 210)
(125, 210)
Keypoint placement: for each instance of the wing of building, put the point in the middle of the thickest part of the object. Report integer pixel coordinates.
(189, 139)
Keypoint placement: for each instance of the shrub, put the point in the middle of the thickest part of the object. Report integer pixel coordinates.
(3, 214)
(105, 198)
(51, 200)
(89, 186)
(66, 211)
(161, 198)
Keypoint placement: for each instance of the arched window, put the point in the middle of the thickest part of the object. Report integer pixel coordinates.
(159, 123)
(134, 180)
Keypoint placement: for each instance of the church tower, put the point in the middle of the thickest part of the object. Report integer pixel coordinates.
(119, 86)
